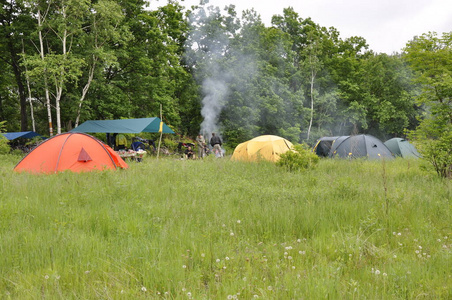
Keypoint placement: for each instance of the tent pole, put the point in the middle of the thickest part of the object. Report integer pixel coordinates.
(161, 131)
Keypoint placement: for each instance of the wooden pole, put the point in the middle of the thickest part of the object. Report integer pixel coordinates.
(161, 132)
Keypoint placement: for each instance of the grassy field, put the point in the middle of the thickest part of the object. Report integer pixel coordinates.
(217, 229)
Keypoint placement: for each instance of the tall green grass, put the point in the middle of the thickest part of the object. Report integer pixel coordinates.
(216, 229)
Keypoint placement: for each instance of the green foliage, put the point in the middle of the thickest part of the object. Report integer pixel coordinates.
(300, 159)
(4, 145)
(430, 57)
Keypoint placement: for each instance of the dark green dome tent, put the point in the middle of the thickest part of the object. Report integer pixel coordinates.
(401, 147)
(356, 146)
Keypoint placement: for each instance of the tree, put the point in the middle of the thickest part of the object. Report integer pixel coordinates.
(430, 57)
(14, 23)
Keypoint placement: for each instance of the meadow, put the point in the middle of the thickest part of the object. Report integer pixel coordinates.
(217, 229)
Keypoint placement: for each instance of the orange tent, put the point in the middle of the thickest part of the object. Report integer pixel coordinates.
(75, 152)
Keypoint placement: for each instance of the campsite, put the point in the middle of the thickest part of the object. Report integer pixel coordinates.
(182, 150)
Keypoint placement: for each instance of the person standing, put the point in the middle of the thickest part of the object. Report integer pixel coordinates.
(201, 143)
(216, 143)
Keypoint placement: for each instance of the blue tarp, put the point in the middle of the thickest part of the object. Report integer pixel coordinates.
(24, 134)
(123, 126)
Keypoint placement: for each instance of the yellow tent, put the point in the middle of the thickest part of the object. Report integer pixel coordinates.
(267, 147)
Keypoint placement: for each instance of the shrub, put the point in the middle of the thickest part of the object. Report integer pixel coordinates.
(4, 146)
(439, 153)
(300, 159)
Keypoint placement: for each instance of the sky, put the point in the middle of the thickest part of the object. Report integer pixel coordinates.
(386, 25)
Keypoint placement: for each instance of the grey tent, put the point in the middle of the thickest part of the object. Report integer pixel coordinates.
(362, 145)
(323, 146)
(401, 147)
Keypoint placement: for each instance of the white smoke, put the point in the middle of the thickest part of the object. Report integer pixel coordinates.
(215, 91)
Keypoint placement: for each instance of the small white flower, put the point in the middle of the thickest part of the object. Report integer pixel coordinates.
(384, 274)
(289, 248)
(293, 267)
(189, 294)
(395, 256)
(285, 253)
(227, 258)
(231, 234)
(377, 272)
(302, 252)
(203, 255)
(299, 241)
(244, 278)
(270, 288)
(143, 289)
(184, 266)
(417, 251)
(184, 289)
(289, 257)
(218, 260)
(439, 240)
(394, 233)
(46, 277)
(399, 234)
(420, 247)
(238, 221)
(256, 296)
(224, 267)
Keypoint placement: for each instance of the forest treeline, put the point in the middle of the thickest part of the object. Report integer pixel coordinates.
(67, 61)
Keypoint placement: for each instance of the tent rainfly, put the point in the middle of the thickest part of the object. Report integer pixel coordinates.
(265, 147)
(70, 151)
(123, 126)
(362, 145)
(401, 147)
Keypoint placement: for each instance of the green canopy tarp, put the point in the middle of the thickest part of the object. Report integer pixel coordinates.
(123, 126)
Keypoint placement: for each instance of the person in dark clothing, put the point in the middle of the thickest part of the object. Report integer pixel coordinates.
(216, 143)
(190, 153)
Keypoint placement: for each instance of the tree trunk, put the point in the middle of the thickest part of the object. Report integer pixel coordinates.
(20, 86)
(46, 88)
(85, 90)
(312, 103)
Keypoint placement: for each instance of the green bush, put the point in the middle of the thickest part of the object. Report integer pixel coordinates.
(4, 146)
(439, 153)
(300, 159)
